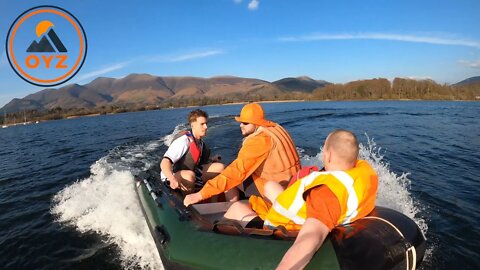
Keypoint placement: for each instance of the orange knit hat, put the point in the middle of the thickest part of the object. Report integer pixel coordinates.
(253, 113)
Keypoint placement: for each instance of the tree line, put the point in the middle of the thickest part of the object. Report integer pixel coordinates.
(378, 89)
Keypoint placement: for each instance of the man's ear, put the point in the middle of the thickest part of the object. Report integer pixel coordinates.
(328, 156)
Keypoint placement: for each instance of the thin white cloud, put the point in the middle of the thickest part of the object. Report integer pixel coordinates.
(190, 56)
(253, 5)
(385, 36)
(102, 71)
(470, 64)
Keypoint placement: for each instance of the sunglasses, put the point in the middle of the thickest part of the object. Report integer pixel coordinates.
(244, 123)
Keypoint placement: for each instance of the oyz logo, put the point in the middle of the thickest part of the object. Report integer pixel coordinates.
(46, 46)
(44, 29)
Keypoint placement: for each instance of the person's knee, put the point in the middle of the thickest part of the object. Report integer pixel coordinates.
(272, 189)
(216, 167)
(240, 209)
(188, 175)
(240, 212)
(236, 206)
(212, 170)
(234, 210)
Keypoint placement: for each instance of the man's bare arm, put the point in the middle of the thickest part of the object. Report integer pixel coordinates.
(167, 168)
(309, 239)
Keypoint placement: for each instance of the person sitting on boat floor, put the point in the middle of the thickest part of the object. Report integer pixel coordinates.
(315, 204)
(187, 164)
(267, 153)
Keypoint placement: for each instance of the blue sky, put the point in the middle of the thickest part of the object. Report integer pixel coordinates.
(337, 41)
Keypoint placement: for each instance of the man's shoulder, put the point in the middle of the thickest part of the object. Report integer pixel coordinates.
(260, 137)
(365, 165)
(323, 205)
(181, 139)
(320, 193)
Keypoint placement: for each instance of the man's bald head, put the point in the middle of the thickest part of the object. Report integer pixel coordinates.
(344, 145)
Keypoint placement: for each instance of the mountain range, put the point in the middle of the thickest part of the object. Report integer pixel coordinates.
(146, 89)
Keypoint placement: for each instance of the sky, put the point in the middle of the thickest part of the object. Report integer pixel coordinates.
(336, 40)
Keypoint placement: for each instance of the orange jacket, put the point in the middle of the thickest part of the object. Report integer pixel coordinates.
(267, 154)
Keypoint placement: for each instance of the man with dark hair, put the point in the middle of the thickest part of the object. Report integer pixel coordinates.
(187, 164)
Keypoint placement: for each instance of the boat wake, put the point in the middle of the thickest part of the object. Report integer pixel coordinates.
(106, 202)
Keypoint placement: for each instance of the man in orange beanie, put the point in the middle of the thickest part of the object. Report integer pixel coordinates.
(267, 154)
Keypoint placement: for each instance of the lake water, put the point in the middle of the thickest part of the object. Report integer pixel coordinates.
(67, 199)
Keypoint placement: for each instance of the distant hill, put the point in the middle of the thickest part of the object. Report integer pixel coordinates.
(302, 84)
(471, 80)
(146, 89)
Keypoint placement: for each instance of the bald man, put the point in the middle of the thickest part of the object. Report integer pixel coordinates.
(315, 204)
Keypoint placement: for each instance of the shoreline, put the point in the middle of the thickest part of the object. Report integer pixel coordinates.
(228, 104)
(86, 115)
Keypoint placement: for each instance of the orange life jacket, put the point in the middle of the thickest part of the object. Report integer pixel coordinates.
(282, 161)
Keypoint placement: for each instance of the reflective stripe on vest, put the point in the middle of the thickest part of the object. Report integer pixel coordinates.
(352, 201)
(289, 209)
(293, 207)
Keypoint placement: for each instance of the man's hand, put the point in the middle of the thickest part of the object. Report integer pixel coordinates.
(174, 183)
(192, 198)
(309, 239)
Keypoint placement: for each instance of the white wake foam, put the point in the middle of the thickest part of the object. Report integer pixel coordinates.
(393, 189)
(106, 203)
(167, 140)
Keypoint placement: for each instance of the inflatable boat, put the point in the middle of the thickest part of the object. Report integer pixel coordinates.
(196, 237)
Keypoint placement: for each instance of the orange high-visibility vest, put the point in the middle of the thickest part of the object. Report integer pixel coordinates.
(355, 189)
